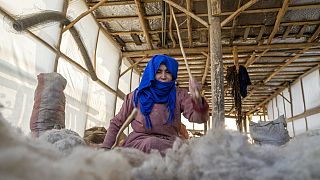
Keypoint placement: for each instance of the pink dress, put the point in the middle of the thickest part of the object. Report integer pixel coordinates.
(161, 136)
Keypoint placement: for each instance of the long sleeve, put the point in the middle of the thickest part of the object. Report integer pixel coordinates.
(191, 110)
(118, 121)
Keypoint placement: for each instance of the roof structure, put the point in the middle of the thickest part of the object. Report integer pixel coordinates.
(277, 41)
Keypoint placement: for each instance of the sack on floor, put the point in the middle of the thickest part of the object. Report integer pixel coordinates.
(49, 103)
(270, 132)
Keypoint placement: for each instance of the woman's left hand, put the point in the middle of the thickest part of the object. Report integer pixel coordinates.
(195, 89)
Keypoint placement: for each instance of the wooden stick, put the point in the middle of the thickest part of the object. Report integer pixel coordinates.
(124, 126)
(182, 51)
(187, 12)
(238, 11)
(132, 66)
(278, 20)
(84, 14)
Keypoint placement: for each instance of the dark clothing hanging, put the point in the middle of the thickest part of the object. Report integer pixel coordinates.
(244, 80)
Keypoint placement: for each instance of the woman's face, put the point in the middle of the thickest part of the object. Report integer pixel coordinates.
(163, 75)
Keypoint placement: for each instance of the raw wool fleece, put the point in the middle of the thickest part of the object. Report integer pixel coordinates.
(31, 159)
(63, 139)
(228, 155)
(218, 155)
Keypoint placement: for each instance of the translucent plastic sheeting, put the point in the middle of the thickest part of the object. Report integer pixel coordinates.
(297, 101)
(108, 61)
(290, 129)
(22, 58)
(124, 81)
(275, 108)
(87, 29)
(135, 80)
(280, 105)
(48, 32)
(76, 93)
(314, 122)
(100, 108)
(299, 126)
(287, 104)
(311, 88)
(270, 110)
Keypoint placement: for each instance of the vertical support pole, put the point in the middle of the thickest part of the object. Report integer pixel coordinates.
(55, 66)
(304, 104)
(272, 110)
(130, 89)
(214, 10)
(264, 113)
(291, 107)
(284, 106)
(119, 71)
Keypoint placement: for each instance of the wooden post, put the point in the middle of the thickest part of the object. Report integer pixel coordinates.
(291, 106)
(304, 104)
(56, 61)
(217, 87)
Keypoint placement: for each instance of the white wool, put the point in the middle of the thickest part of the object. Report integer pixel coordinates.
(218, 155)
(63, 139)
(27, 159)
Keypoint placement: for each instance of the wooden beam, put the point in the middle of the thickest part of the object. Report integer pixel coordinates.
(201, 21)
(310, 112)
(254, 59)
(286, 33)
(189, 23)
(84, 14)
(290, 60)
(238, 11)
(206, 68)
(281, 13)
(246, 33)
(296, 23)
(234, 23)
(301, 31)
(136, 39)
(143, 24)
(268, 99)
(197, 50)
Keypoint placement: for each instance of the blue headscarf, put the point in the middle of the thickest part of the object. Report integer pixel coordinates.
(151, 91)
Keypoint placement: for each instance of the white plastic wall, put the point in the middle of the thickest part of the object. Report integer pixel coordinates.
(311, 91)
(22, 58)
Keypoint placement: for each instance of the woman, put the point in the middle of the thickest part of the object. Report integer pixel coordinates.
(160, 105)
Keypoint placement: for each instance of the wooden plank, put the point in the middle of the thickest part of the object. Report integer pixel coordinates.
(281, 13)
(143, 24)
(307, 113)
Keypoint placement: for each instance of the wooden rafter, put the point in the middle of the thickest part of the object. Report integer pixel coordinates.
(234, 23)
(281, 13)
(286, 33)
(201, 21)
(84, 14)
(237, 12)
(144, 26)
(253, 58)
(245, 48)
(290, 60)
(189, 22)
(296, 23)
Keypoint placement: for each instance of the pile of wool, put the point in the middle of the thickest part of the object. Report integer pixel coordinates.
(228, 155)
(29, 159)
(217, 155)
(63, 139)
